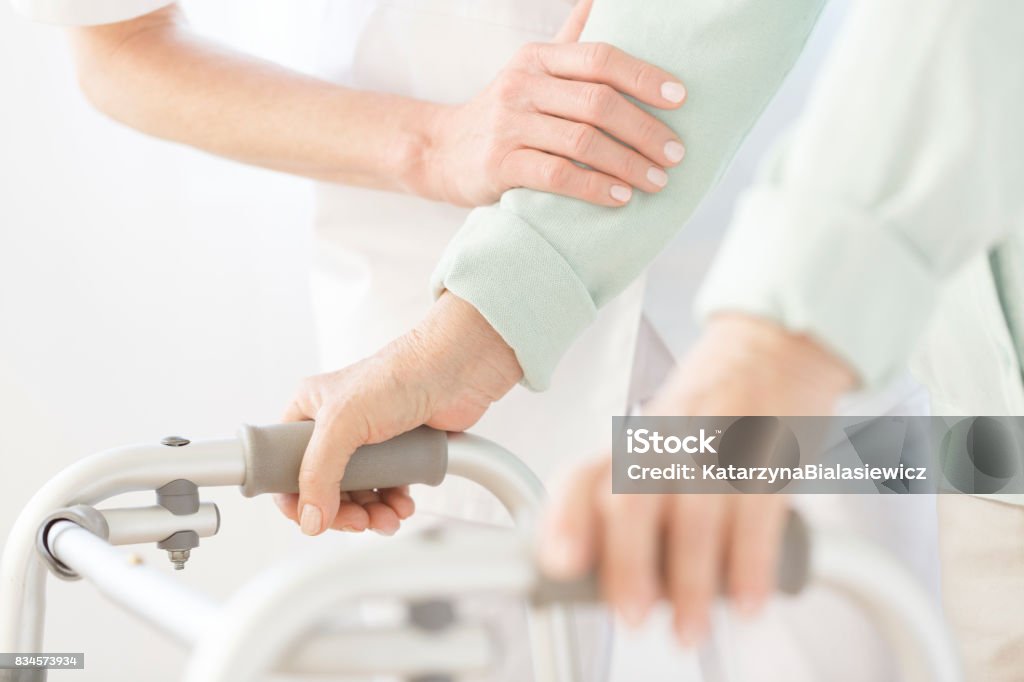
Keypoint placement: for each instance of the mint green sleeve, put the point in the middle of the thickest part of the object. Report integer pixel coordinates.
(539, 266)
(907, 162)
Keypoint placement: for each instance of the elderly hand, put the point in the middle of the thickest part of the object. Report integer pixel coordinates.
(681, 547)
(554, 104)
(445, 373)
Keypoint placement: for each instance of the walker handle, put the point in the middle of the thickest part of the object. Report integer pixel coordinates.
(792, 572)
(273, 455)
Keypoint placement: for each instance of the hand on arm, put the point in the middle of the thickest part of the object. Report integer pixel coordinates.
(546, 107)
(689, 548)
(581, 256)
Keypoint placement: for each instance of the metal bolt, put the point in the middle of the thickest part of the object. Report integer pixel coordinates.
(178, 557)
(432, 614)
(178, 546)
(175, 441)
(433, 534)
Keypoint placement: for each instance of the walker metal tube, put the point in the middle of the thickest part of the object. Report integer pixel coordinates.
(149, 594)
(262, 620)
(460, 651)
(503, 474)
(890, 595)
(88, 481)
(185, 616)
(894, 600)
(552, 626)
(136, 525)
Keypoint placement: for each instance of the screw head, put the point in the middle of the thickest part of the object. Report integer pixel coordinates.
(175, 441)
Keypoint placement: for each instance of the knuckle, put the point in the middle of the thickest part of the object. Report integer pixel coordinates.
(332, 411)
(309, 478)
(596, 191)
(306, 394)
(497, 122)
(308, 384)
(555, 173)
(598, 100)
(582, 140)
(597, 57)
(650, 130)
(640, 74)
(509, 84)
(633, 167)
(529, 53)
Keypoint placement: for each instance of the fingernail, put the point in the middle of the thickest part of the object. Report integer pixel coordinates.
(385, 533)
(673, 92)
(748, 606)
(634, 613)
(688, 633)
(349, 529)
(674, 151)
(657, 176)
(310, 520)
(621, 193)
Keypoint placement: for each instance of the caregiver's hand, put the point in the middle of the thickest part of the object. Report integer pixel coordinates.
(686, 548)
(550, 106)
(445, 373)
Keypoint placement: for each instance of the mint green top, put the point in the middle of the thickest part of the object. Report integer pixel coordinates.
(538, 266)
(906, 165)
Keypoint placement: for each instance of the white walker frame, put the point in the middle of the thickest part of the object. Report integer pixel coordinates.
(252, 633)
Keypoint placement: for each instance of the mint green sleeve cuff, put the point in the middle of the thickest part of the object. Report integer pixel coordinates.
(833, 272)
(538, 266)
(538, 314)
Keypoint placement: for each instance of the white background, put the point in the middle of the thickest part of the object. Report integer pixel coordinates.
(147, 289)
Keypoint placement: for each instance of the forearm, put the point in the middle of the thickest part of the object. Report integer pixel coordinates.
(538, 266)
(155, 75)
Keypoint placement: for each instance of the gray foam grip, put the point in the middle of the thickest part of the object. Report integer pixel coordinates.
(273, 455)
(793, 571)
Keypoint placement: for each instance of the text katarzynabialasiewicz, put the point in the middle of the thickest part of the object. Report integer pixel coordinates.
(805, 472)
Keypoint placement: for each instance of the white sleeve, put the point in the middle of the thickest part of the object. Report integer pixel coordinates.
(86, 12)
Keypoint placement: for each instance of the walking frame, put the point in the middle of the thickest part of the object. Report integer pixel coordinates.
(264, 627)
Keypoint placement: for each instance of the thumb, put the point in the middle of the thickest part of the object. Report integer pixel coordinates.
(573, 27)
(335, 438)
